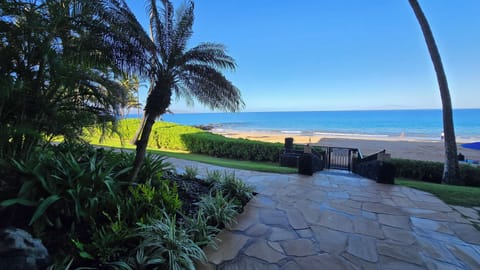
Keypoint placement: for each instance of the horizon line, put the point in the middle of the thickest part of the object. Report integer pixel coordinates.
(340, 110)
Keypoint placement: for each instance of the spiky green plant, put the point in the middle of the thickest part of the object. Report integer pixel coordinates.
(200, 230)
(153, 168)
(220, 210)
(234, 188)
(190, 172)
(164, 238)
(213, 177)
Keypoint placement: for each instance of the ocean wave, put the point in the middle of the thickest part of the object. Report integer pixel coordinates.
(291, 131)
(351, 134)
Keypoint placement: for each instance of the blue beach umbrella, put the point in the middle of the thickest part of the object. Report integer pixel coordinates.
(474, 145)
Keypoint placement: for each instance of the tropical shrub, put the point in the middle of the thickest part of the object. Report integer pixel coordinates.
(63, 187)
(219, 209)
(432, 171)
(73, 198)
(200, 230)
(190, 172)
(58, 80)
(82, 204)
(170, 200)
(234, 188)
(214, 176)
(170, 136)
(153, 168)
(220, 146)
(170, 243)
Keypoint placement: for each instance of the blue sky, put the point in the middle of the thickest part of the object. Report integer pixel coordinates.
(340, 54)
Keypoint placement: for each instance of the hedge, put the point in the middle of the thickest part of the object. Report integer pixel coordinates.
(165, 135)
(220, 146)
(432, 171)
(171, 136)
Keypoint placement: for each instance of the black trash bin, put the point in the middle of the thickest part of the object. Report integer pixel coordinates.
(288, 144)
(305, 164)
(386, 173)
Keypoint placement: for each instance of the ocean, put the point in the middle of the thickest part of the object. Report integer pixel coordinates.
(422, 124)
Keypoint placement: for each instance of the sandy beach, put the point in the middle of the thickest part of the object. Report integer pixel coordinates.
(398, 147)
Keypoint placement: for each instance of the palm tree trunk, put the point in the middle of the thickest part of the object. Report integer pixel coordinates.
(142, 145)
(451, 170)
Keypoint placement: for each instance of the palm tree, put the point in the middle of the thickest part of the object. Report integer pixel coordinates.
(132, 85)
(58, 66)
(190, 73)
(451, 170)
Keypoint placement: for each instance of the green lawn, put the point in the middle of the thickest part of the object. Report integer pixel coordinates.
(229, 163)
(456, 195)
(223, 162)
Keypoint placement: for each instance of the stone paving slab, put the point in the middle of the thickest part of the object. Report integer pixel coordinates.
(338, 220)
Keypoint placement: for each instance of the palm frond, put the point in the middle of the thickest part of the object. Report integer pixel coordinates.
(209, 53)
(210, 87)
(182, 31)
(158, 30)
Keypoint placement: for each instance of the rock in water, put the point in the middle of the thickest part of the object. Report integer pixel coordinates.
(19, 250)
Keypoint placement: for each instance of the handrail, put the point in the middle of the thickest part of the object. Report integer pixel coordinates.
(373, 156)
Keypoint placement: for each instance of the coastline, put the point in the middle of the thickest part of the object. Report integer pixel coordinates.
(428, 149)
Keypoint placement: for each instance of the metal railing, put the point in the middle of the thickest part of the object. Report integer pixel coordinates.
(341, 158)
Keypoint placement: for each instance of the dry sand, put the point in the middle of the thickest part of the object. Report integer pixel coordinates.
(398, 147)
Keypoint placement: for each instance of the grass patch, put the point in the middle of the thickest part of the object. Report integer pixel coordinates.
(222, 162)
(455, 195)
(229, 163)
(168, 139)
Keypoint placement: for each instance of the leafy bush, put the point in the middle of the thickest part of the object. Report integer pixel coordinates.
(170, 243)
(234, 188)
(220, 146)
(219, 209)
(164, 135)
(432, 171)
(200, 231)
(153, 168)
(63, 187)
(80, 201)
(213, 176)
(190, 172)
(170, 200)
(470, 175)
(170, 136)
(74, 197)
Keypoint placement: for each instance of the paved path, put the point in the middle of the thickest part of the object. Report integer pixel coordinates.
(337, 220)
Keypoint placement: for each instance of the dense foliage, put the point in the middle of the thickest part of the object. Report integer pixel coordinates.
(60, 62)
(171, 136)
(191, 73)
(81, 202)
(432, 171)
(242, 149)
(165, 135)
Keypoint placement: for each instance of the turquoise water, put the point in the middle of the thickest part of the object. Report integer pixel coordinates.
(388, 123)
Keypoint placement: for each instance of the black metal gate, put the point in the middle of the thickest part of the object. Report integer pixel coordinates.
(341, 158)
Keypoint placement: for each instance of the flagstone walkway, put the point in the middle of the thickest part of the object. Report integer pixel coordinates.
(337, 220)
